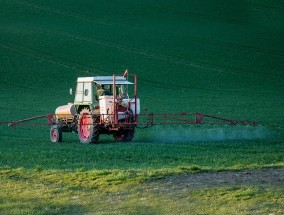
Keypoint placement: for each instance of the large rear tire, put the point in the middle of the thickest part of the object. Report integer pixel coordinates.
(87, 129)
(55, 134)
(124, 135)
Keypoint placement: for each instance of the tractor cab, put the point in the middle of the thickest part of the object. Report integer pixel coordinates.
(90, 90)
(105, 88)
(104, 94)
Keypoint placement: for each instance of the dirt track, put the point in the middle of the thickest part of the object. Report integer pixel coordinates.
(274, 177)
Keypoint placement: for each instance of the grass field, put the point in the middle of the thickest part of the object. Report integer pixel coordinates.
(224, 58)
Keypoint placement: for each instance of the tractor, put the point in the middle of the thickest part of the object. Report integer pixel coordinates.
(102, 105)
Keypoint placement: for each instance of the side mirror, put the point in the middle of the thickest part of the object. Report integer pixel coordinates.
(70, 91)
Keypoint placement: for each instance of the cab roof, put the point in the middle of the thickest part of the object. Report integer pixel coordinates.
(120, 80)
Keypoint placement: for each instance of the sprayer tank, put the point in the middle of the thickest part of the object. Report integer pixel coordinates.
(65, 112)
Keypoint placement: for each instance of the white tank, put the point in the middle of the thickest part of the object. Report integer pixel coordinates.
(66, 111)
(106, 108)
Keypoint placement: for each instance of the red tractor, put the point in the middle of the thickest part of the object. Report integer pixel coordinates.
(102, 105)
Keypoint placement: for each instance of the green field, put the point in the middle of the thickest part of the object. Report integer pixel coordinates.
(224, 58)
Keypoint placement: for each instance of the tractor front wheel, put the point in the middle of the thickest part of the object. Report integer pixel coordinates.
(87, 130)
(55, 134)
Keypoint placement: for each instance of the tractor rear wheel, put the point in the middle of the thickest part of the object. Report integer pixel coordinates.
(87, 129)
(124, 135)
(55, 134)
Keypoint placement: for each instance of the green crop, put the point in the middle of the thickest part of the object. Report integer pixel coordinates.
(223, 58)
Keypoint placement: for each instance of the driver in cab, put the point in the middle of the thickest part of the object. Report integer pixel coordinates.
(103, 92)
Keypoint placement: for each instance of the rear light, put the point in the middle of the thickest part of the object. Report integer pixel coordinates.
(97, 107)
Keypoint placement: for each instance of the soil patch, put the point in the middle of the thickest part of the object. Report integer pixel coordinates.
(271, 177)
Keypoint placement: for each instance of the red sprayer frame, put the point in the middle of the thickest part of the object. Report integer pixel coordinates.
(149, 119)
